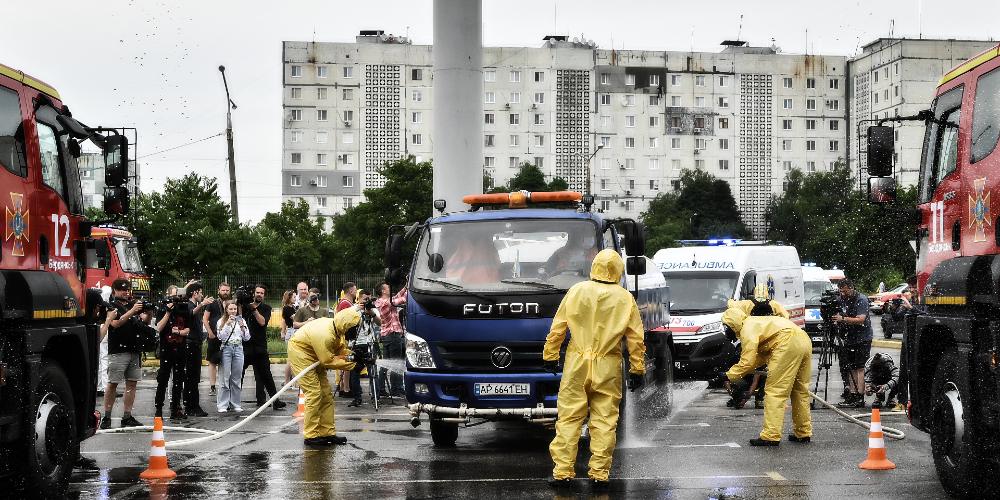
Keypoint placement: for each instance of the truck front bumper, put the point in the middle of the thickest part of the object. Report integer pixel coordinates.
(453, 395)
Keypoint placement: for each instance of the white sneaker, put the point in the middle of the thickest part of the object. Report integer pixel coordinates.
(223, 410)
(238, 409)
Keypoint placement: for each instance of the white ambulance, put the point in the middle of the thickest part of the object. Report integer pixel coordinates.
(703, 277)
(816, 281)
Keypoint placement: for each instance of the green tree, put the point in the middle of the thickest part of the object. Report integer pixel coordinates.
(297, 241)
(359, 233)
(528, 178)
(702, 208)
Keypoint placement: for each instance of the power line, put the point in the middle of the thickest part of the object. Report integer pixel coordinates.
(181, 146)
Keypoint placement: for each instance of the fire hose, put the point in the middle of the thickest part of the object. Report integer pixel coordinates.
(889, 432)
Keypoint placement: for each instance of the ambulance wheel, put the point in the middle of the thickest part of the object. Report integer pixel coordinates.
(444, 434)
(50, 436)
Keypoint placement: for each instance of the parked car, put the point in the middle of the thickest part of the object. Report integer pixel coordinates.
(880, 300)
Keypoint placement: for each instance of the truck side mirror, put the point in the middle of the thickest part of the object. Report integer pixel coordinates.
(116, 200)
(635, 242)
(635, 266)
(116, 161)
(881, 190)
(395, 277)
(880, 148)
(435, 263)
(393, 250)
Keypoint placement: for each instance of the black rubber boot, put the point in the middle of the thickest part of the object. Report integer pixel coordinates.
(763, 442)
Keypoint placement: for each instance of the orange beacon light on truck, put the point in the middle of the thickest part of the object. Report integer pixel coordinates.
(520, 199)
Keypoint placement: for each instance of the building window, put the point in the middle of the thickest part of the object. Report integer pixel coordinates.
(654, 142)
(321, 179)
(515, 97)
(810, 166)
(605, 205)
(630, 80)
(834, 83)
(810, 83)
(416, 117)
(875, 97)
(605, 99)
(417, 95)
(321, 115)
(605, 163)
(654, 100)
(321, 158)
(296, 158)
(296, 71)
(875, 74)
(723, 164)
(489, 161)
(699, 123)
(895, 91)
(604, 78)
(605, 141)
(699, 164)
(348, 72)
(723, 123)
(490, 75)
(320, 71)
(604, 185)
(723, 144)
(347, 159)
(810, 145)
(786, 124)
(834, 104)
(629, 120)
(675, 123)
(539, 140)
(296, 92)
(834, 124)
(786, 145)
(675, 100)
(654, 163)
(539, 119)
(539, 162)
(514, 140)
(347, 94)
(699, 101)
(417, 139)
(321, 201)
(810, 104)
(295, 115)
(348, 116)
(512, 161)
(416, 74)
(675, 80)
(723, 81)
(515, 119)
(723, 102)
(491, 98)
(347, 181)
(321, 93)
(675, 164)
(539, 76)
(654, 80)
(654, 121)
(348, 203)
(539, 97)
(699, 80)
(490, 117)
(348, 138)
(786, 165)
(488, 140)
(515, 76)
(629, 142)
(834, 146)
(629, 99)
(810, 124)
(654, 185)
(296, 136)
(675, 143)
(631, 184)
(322, 137)
(295, 180)
(700, 144)
(786, 104)
(786, 82)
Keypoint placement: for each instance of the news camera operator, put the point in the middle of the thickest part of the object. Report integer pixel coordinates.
(257, 314)
(195, 295)
(126, 333)
(362, 345)
(173, 323)
(856, 329)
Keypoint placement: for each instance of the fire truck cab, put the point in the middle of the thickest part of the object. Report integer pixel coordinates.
(115, 254)
(951, 351)
(48, 341)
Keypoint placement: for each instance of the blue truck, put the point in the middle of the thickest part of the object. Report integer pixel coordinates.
(484, 285)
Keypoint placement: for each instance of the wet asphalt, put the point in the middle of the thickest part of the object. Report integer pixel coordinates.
(700, 451)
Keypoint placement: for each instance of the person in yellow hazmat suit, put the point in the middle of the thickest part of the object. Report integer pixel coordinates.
(597, 313)
(787, 352)
(323, 340)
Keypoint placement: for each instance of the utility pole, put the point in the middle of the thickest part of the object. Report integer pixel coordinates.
(230, 106)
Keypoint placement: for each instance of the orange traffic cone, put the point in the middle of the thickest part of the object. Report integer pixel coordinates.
(301, 411)
(876, 446)
(158, 468)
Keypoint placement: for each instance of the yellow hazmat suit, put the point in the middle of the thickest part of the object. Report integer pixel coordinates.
(599, 313)
(787, 352)
(322, 340)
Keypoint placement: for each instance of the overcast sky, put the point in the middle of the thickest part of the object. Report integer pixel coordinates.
(153, 64)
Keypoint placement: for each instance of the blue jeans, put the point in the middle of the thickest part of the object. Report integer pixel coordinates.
(230, 377)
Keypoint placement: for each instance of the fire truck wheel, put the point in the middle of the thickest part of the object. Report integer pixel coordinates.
(444, 434)
(954, 432)
(51, 437)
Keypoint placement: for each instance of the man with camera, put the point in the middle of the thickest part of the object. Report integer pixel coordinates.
(856, 328)
(174, 325)
(361, 344)
(391, 334)
(125, 341)
(197, 302)
(257, 314)
(308, 312)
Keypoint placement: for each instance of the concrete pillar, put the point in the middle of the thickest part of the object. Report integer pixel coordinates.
(458, 100)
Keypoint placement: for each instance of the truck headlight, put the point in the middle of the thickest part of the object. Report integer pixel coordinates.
(715, 327)
(418, 353)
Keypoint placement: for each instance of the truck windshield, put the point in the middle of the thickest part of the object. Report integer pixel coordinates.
(538, 256)
(128, 255)
(700, 292)
(814, 291)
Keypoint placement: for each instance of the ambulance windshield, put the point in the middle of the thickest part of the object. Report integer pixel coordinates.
(694, 293)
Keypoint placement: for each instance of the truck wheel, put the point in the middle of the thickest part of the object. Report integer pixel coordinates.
(444, 434)
(955, 434)
(50, 437)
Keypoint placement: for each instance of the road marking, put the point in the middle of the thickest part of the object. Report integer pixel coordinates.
(777, 477)
(723, 445)
(699, 424)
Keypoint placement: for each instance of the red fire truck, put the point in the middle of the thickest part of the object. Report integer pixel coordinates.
(115, 254)
(951, 354)
(48, 335)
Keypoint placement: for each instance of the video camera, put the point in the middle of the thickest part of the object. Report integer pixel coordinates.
(829, 305)
(244, 295)
(180, 303)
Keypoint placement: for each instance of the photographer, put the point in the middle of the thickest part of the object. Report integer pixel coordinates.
(391, 335)
(257, 314)
(197, 302)
(361, 345)
(125, 334)
(856, 329)
(174, 326)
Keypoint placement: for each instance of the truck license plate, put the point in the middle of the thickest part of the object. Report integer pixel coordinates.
(491, 389)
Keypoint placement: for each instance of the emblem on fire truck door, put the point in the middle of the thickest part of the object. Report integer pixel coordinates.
(979, 209)
(17, 224)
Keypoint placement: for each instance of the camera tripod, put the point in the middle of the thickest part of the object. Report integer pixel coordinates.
(826, 354)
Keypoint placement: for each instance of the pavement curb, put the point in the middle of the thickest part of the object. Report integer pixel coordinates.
(155, 363)
(894, 344)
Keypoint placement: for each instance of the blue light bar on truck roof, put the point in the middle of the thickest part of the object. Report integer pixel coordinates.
(718, 242)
